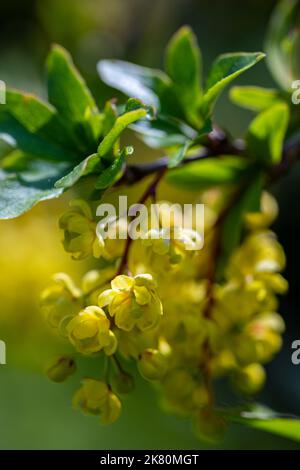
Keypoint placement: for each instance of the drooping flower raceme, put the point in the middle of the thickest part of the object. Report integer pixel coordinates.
(170, 318)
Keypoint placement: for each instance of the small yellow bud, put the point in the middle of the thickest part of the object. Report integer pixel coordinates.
(201, 396)
(80, 236)
(250, 379)
(123, 382)
(60, 369)
(111, 409)
(152, 364)
(264, 218)
(60, 300)
(209, 425)
(91, 397)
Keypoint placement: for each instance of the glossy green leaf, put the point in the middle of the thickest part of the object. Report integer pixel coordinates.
(176, 157)
(7, 144)
(30, 111)
(289, 428)
(266, 134)
(110, 174)
(120, 124)
(226, 68)
(254, 98)
(110, 115)
(164, 132)
(183, 65)
(264, 419)
(67, 91)
(281, 41)
(209, 172)
(41, 119)
(88, 166)
(31, 143)
(34, 183)
(135, 81)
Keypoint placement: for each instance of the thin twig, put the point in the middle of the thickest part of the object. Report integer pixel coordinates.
(149, 192)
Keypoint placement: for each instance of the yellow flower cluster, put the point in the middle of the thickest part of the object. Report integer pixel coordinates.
(95, 397)
(182, 327)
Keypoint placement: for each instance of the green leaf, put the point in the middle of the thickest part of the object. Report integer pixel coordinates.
(248, 201)
(110, 174)
(7, 144)
(267, 420)
(69, 94)
(225, 68)
(67, 91)
(135, 81)
(254, 98)
(35, 183)
(209, 172)
(89, 165)
(289, 428)
(280, 44)
(109, 116)
(40, 118)
(31, 112)
(176, 158)
(266, 134)
(30, 143)
(120, 124)
(183, 65)
(164, 132)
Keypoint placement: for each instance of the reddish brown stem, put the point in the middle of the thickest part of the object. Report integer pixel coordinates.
(149, 192)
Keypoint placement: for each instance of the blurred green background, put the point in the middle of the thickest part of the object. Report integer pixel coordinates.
(34, 413)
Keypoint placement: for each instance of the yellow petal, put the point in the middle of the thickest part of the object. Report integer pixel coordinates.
(142, 295)
(106, 297)
(112, 345)
(82, 207)
(85, 329)
(122, 283)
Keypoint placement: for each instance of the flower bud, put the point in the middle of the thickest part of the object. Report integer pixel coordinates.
(123, 382)
(60, 369)
(209, 425)
(152, 365)
(267, 214)
(111, 409)
(250, 379)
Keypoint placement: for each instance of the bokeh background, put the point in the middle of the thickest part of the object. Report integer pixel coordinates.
(34, 413)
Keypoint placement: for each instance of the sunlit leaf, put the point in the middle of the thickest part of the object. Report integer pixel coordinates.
(209, 172)
(281, 42)
(266, 134)
(254, 98)
(226, 68)
(133, 80)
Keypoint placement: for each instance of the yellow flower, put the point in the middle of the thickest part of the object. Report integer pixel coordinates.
(80, 236)
(133, 301)
(95, 397)
(250, 379)
(264, 218)
(61, 300)
(112, 245)
(178, 387)
(89, 332)
(259, 255)
(174, 242)
(152, 364)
